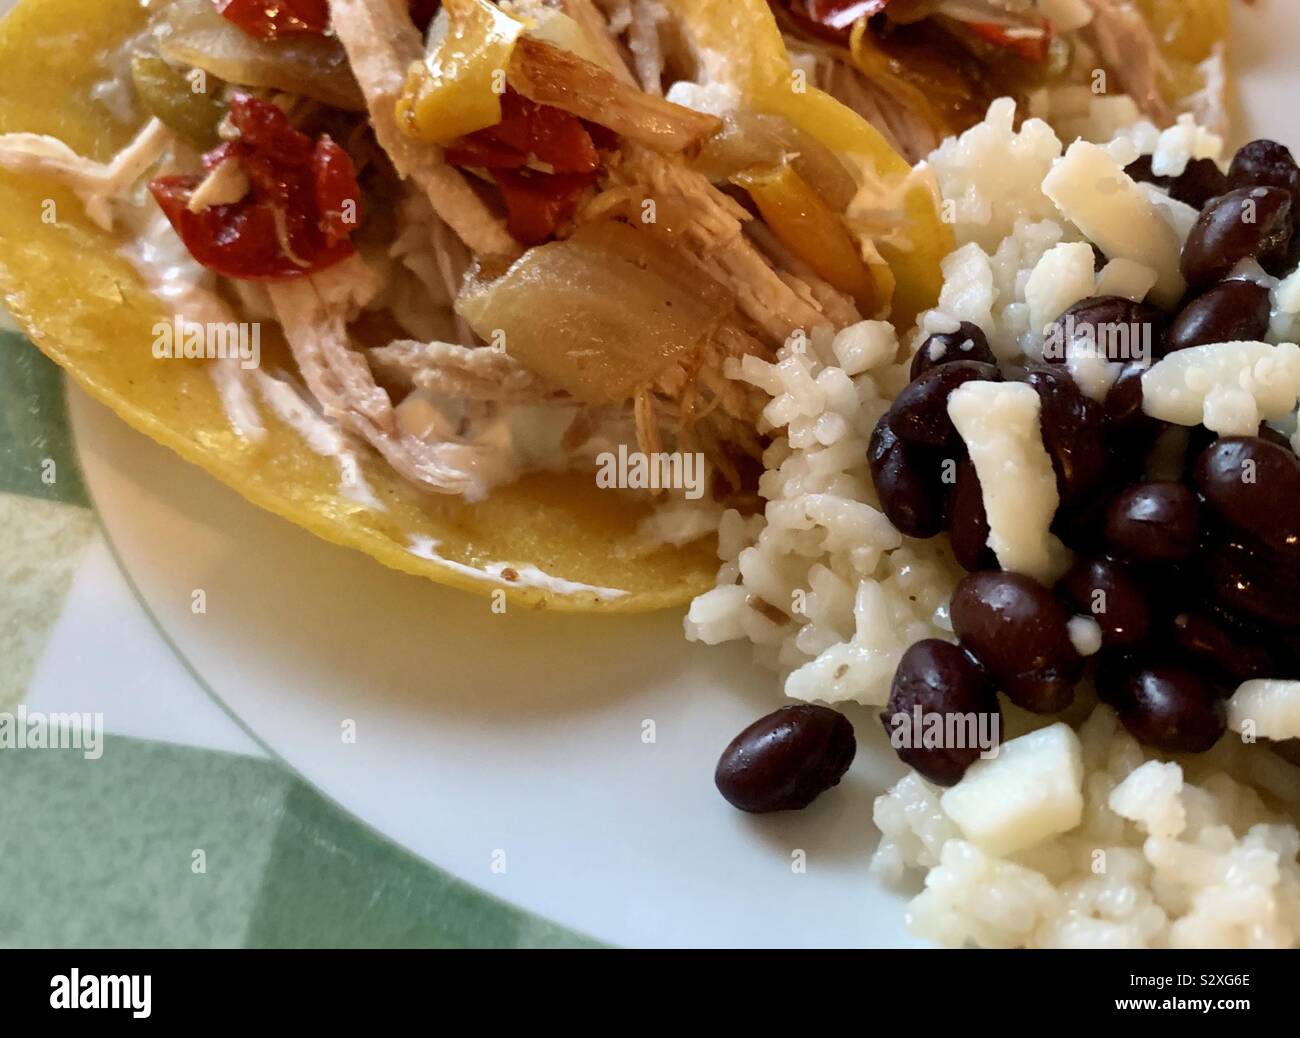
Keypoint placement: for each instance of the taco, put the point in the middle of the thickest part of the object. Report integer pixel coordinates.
(461, 285)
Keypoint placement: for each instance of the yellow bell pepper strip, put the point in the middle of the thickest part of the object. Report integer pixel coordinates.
(740, 45)
(457, 89)
(808, 227)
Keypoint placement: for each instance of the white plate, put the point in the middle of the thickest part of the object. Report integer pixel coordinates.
(479, 734)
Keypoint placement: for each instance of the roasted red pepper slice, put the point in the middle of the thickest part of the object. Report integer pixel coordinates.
(538, 203)
(548, 134)
(302, 205)
(484, 152)
(334, 183)
(270, 19)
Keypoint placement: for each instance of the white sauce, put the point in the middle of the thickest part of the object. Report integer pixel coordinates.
(171, 274)
(322, 435)
(525, 575)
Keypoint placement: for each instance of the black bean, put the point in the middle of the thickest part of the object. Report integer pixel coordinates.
(968, 522)
(1196, 185)
(1198, 439)
(1248, 223)
(1020, 632)
(1252, 584)
(1255, 486)
(784, 761)
(1124, 398)
(919, 414)
(909, 482)
(1266, 163)
(1209, 640)
(1231, 311)
(937, 678)
(1074, 433)
(1109, 593)
(1081, 528)
(1154, 522)
(968, 342)
(1130, 431)
(1164, 706)
(1119, 328)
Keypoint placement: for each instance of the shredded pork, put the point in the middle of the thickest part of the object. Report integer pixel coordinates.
(599, 32)
(98, 185)
(381, 43)
(472, 373)
(643, 42)
(708, 226)
(548, 75)
(314, 312)
(1125, 43)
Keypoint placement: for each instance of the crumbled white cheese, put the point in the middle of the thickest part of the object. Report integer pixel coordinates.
(1151, 795)
(999, 421)
(1227, 387)
(1059, 280)
(1126, 279)
(1031, 791)
(1181, 143)
(1104, 202)
(1085, 635)
(1287, 294)
(1267, 709)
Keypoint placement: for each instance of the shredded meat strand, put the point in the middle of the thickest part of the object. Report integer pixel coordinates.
(1126, 45)
(381, 43)
(593, 23)
(708, 226)
(477, 373)
(643, 42)
(97, 184)
(313, 312)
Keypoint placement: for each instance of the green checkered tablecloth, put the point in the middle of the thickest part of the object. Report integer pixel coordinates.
(99, 852)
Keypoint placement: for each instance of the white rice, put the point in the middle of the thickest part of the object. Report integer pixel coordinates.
(1197, 851)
